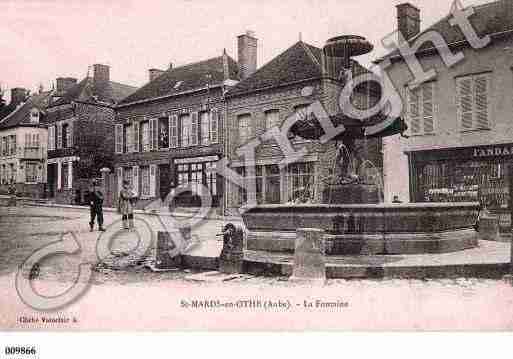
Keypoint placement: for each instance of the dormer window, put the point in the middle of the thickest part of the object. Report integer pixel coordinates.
(34, 115)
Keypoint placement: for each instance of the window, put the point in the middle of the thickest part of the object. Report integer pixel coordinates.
(211, 177)
(205, 128)
(145, 181)
(301, 112)
(421, 109)
(12, 150)
(163, 133)
(300, 182)
(186, 130)
(65, 135)
(31, 172)
(12, 173)
(472, 93)
(4, 146)
(145, 137)
(128, 175)
(64, 175)
(272, 119)
(51, 138)
(129, 138)
(245, 128)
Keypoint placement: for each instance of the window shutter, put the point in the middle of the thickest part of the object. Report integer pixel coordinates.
(153, 178)
(51, 138)
(414, 111)
(118, 136)
(465, 100)
(136, 144)
(428, 110)
(194, 129)
(59, 135)
(135, 173)
(214, 125)
(120, 178)
(69, 133)
(481, 91)
(173, 131)
(153, 135)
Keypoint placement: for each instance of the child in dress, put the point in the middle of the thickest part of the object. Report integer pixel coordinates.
(126, 203)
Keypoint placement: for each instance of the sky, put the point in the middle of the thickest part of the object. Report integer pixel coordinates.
(41, 40)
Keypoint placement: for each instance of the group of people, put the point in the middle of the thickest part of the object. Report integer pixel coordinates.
(126, 203)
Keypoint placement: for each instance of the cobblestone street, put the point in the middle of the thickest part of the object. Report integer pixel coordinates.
(138, 298)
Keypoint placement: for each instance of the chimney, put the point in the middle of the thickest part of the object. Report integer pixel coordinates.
(64, 84)
(101, 74)
(18, 96)
(154, 73)
(247, 51)
(408, 20)
(170, 65)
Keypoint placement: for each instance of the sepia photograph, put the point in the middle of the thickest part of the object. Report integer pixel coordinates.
(255, 166)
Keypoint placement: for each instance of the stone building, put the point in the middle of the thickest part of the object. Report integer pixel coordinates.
(80, 121)
(171, 131)
(23, 144)
(460, 143)
(285, 86)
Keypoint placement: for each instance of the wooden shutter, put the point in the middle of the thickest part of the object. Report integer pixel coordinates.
(119, 175)
(59, 135)
(153, 180)
(481, 93)
(214, 126)
(137, 136)
(428, 107)
(51, 138)
(135, 179)
(414, 111)
(194, 129)
(70, 131)
(118, 135)
(173, 131)
(465, 101)
(153, 135)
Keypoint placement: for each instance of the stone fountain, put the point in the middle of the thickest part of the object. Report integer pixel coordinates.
(352, 215)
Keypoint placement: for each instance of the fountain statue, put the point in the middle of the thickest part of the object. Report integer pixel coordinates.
(352, 213)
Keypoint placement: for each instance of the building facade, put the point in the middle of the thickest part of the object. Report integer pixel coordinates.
(23, 141)
(460, 134)
(80, 122)
(284, 87)
(170, 132)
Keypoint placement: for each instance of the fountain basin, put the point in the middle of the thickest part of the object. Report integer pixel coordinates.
(354, 229)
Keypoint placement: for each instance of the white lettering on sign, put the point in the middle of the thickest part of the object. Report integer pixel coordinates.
(493, 151)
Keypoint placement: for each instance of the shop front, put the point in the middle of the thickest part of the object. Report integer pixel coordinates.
(462, 174)
(196, 170)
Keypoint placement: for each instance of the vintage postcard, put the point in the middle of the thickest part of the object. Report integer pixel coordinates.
(255, 166)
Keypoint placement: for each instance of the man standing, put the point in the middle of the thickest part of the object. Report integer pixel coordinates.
(96, 206)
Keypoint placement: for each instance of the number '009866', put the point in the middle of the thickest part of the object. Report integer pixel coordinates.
(20, 350)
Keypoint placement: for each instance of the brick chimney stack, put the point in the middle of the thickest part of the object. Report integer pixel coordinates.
(247, 45)
(64, 84)
(101, 75)
(154, 73)
(18, 96)
(408, 20)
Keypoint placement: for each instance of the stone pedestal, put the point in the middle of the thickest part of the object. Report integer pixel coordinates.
(489, 228)
(351, 194)
(232, 256)
(166, 256)
(309, 256)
